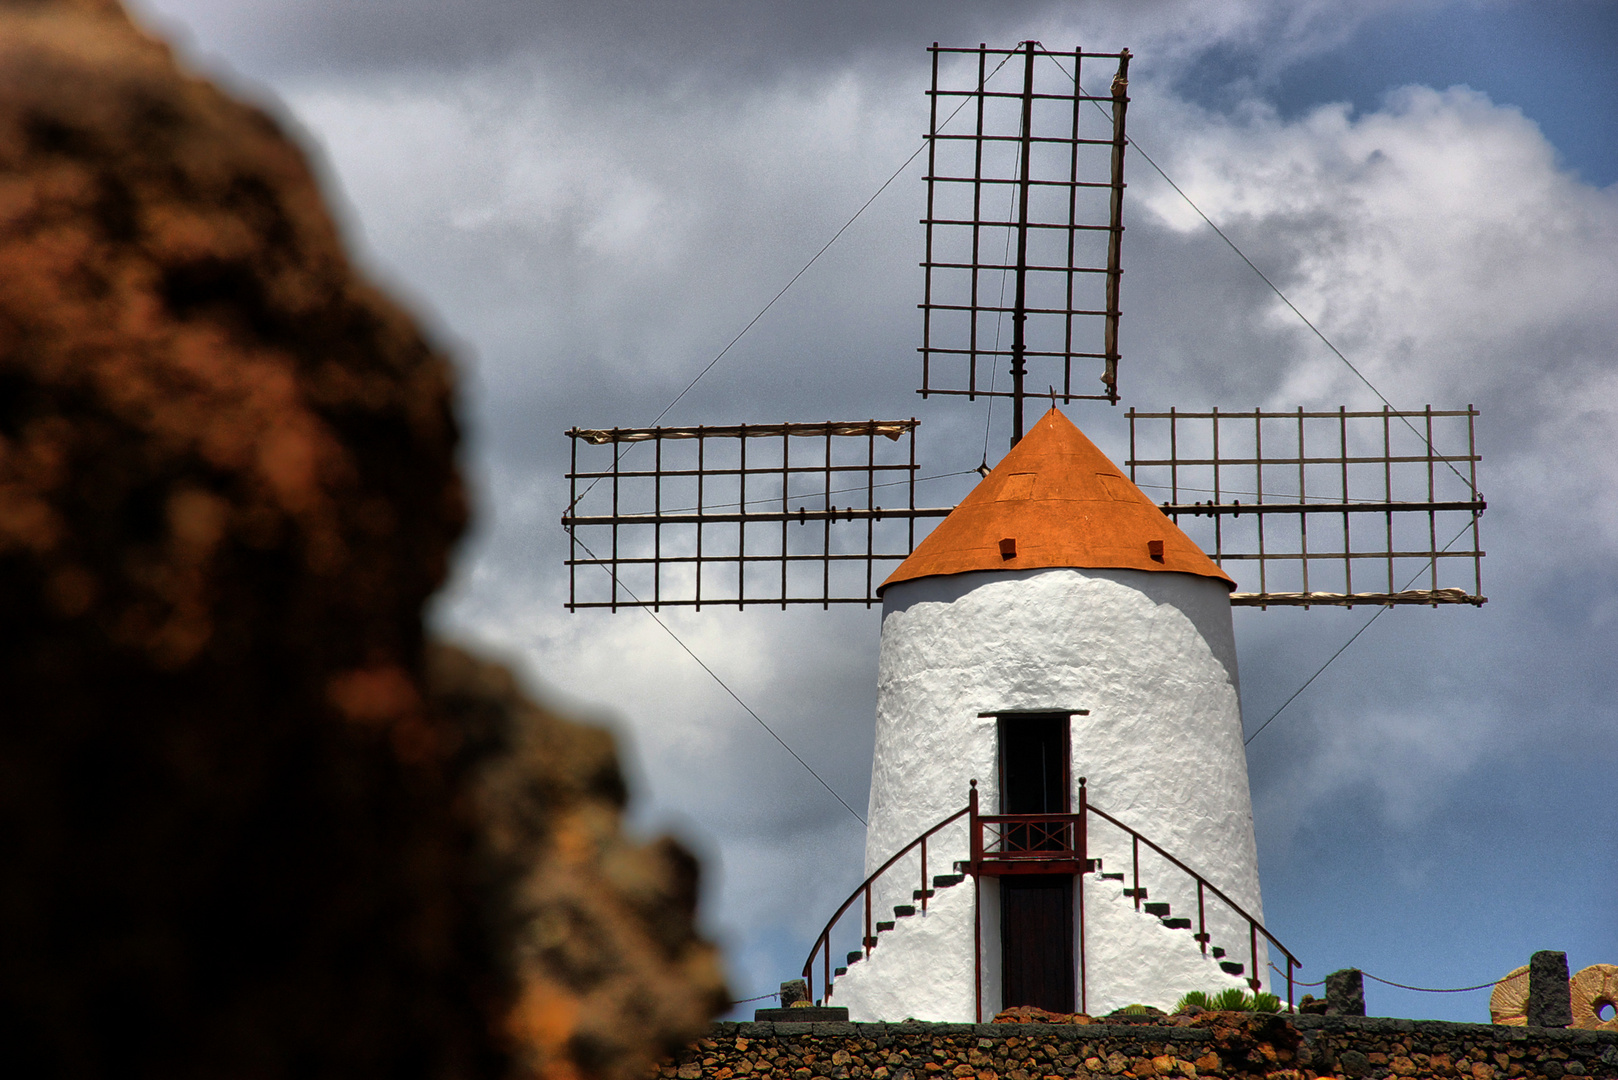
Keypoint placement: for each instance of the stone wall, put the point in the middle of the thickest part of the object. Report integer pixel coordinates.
(1214, 1044)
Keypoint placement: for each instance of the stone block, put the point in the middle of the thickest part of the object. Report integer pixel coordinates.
(811, 1014)
(1345, 993)
(1550, 1004)
(1355, 1064)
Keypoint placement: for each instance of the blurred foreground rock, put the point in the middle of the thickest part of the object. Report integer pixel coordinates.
(246, 831)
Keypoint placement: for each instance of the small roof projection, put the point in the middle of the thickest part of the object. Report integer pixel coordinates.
(1054, 501)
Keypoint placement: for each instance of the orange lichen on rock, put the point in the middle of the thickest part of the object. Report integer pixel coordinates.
(1055, 501)
(611, 973)
(247, 831)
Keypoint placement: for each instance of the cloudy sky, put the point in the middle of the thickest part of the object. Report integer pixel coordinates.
(586, 201)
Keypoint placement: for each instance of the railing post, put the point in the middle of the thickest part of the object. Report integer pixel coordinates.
(868, 939)
(977, 935)
(1083, 828)
(1136, 890)
(1202, 920)
(1252, 941)
(975, 850)
(924, 875)
(825, 958)
(1289, 983)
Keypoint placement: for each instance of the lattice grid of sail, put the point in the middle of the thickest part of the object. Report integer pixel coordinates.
(749, 514)
(1024, 221)
(1334, 507)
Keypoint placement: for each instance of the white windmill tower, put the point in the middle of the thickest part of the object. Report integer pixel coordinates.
(1055, 629)
(1057, 654)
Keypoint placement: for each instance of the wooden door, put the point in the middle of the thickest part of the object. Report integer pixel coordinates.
(1036, 941)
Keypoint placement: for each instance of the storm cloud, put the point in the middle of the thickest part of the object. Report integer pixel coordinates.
(588, 201)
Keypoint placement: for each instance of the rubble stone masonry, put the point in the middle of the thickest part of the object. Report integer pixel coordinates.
(1214, 1044)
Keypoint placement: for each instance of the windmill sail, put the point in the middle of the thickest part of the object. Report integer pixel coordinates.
(1021, 275)
(742, 515)
(1333, 507)
(1024, 222)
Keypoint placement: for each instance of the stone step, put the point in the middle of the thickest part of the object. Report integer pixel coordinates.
(855, 957)
(944, 881)
(1119, 876)
(916, 894)
(1159, 909)
(871, 941)
(1230, 967)
(1177, 924)
(1217, 951)
(839, 971)
(881, 926)
(904, 911)
(1132, 892)
(1204, 938)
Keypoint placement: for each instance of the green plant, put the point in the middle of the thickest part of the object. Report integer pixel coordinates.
(1135, 1010)
(1195, 999)
(1231, 999)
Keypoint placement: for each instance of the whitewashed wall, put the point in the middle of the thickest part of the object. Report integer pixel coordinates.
(1152, 657)
(922, 968)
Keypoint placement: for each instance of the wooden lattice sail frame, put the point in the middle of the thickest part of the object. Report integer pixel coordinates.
(742, 515)
(1026, 144)
(1380, 510)
(1341, 507)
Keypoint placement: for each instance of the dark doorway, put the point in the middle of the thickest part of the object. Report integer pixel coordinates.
(1036, 910)
(1036, 941)
(1034, 775)
(1033, 764)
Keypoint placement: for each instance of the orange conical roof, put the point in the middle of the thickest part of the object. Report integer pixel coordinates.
(1055, 500)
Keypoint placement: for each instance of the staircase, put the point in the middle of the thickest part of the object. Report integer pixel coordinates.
(1163, 913)
(1043, 843)
(1159, 910)
(900, 911)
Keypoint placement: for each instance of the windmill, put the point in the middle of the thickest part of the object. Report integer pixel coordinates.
(1058, 638)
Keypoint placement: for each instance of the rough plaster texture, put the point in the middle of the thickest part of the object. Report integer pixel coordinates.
(1133, 958)
(1152, 657)
(920, 970)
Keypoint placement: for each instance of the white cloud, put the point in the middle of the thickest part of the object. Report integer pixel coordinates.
(1422, 238)
(1435, 241)
(593, 243)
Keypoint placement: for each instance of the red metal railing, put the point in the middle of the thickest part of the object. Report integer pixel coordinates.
(1059, 843)
(1001, 844)
(868, 939)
